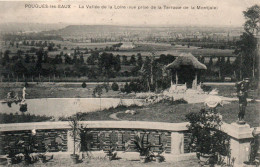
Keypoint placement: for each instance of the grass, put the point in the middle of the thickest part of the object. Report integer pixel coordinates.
(176, 113)
(22, 118)
(66, 161)
(166, 112)
(103, 114)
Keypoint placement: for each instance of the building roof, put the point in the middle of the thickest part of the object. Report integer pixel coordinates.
(186, 59)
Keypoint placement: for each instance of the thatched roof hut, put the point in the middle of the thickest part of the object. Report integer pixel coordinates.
(186, 59)
(186, 68)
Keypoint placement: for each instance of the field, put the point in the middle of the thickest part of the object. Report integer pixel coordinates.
(145, 48)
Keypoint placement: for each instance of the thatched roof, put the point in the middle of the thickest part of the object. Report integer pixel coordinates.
(186, 59)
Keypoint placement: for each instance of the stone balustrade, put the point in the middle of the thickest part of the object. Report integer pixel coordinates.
(173, 137)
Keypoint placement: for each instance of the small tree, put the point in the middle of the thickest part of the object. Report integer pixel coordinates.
(115, 86)
(84, 85)
(98, 90)
(75, 134)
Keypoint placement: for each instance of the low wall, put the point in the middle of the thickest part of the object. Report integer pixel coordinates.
(173, 137)
(96, 136)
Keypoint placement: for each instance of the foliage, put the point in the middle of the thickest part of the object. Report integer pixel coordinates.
(143, 148)
(252, 16)
(114, 86)
(206, 138)
(174, 102)
(247, 45)
(84, 85)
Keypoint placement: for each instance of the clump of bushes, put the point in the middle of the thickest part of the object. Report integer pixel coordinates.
(84, 85)
(115, 86)
(132, 87)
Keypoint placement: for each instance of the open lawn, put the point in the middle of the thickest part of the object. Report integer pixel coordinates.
(176, 113)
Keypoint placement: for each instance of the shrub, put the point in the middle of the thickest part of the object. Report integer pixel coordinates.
(206, 137)
(26, 84)
(115, 86)
(84, 85)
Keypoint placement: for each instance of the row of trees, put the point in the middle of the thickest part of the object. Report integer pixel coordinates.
(102, 65)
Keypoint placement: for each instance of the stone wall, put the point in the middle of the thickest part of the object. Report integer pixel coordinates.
(53, 140)
(99, 135)
(54, 137)
(97, 139)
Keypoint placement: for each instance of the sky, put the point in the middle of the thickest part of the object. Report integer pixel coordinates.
(227, 12)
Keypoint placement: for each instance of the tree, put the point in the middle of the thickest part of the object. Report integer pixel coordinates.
(27, 59)
(6, 57)
(38, 66)
(84, 85)
(252, 16)
(210, 64)
(132, 60)
(68, 60)
(139, 60)
(98, 90)
(117, 63)
(246, 47)
(33, 59)
(124, 61)
(114, 86)
(19, 68)
(105, 63)
(81, 59)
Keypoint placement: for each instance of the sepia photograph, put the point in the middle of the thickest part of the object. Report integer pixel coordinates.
(130, 83)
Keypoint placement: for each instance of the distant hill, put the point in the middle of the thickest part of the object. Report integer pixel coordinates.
(29, 27)
(99, 30)
(95, 29)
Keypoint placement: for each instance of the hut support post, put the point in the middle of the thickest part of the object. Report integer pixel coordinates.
(196, 80)
(176, 76)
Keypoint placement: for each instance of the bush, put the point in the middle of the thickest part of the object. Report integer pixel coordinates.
(206, 136)
(115, 86)
(26, 84)
(84, 85)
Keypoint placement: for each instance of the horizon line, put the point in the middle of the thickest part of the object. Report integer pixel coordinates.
(127, 25)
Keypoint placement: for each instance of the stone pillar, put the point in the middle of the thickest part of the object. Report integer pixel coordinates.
(241, 135)
(177, 143)
(240, 150)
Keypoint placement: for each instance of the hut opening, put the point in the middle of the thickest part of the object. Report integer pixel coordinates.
(186, 69)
